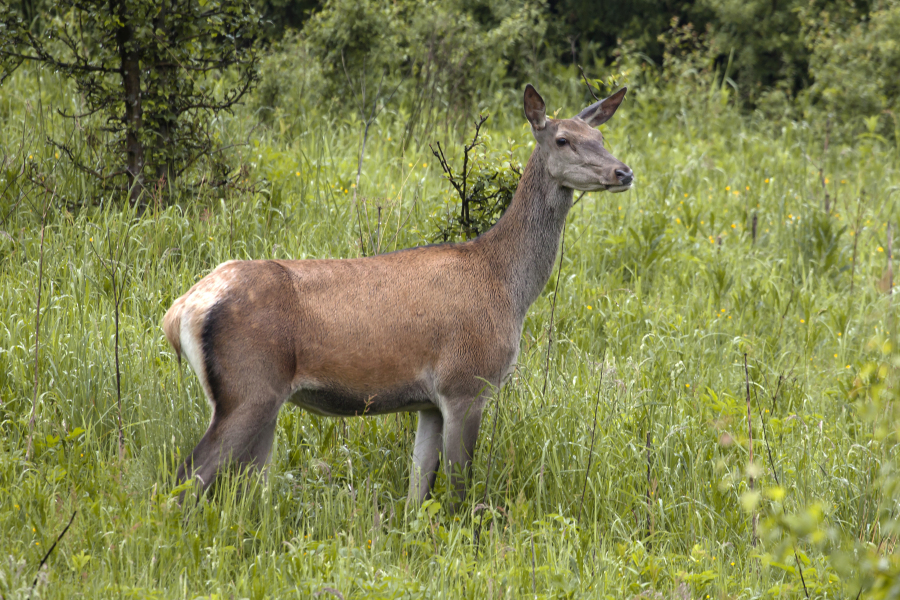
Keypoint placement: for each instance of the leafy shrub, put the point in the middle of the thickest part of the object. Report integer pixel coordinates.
(442, 59)
(854, 66)
(485, 187)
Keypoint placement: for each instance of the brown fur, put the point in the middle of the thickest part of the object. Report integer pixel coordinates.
(433, 329)
(172, 328)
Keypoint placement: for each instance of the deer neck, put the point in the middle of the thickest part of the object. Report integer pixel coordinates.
(522, 245)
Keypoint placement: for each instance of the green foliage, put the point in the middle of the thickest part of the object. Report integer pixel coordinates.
(445, 57)
(664, 290)
(150, 74)
(484, 186)
(851, 65)
(281, 16)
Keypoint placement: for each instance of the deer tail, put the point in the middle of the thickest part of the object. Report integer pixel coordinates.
(172, 327)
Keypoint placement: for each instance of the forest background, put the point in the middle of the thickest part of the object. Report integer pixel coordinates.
(706, 401)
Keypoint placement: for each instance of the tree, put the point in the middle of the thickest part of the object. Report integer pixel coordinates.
(154, 70)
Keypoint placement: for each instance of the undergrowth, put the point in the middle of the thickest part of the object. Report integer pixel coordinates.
(721, 285)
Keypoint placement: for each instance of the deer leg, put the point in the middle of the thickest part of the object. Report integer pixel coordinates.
(426, 455)
(461, 425)
(262, 448)
(243, 438)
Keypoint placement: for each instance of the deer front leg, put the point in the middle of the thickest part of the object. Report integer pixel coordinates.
(461, 423)
(426, 455)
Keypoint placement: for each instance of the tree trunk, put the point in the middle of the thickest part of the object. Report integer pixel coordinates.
(165, 125)
(130, 67)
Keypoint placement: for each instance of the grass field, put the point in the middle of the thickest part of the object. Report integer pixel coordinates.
(681, 345)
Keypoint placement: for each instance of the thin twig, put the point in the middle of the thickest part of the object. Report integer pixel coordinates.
(890, 259)
(750, 435)
(37, 330)
(460, 184)
(775, 471)
(47, 555)
(822, 176)
(855, 241)
(533, 581)
(487, 482)
(587, 471)
(649, 491)
(587, 84)
(112, 269)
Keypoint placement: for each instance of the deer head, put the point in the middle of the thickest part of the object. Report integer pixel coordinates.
(573, 148)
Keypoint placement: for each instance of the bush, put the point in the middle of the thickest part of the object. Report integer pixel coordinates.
(484, 184)
(854, 66)
(443, 59)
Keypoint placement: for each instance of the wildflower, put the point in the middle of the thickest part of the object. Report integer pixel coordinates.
(733, 225)
(687, 385)
(677, 220)
(880, 249)
(589, 307)
(767, 180)
(727, 188)
(802, 320)
(298, 173)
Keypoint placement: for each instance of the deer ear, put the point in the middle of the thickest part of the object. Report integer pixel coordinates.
(600, 112)
(535, 110)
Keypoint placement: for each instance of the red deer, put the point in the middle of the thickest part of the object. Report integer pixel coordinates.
(434, 329)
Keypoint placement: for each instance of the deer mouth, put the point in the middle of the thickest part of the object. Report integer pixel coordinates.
(619, 188)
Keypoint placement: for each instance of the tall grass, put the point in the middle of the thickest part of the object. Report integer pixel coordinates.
(662, 294)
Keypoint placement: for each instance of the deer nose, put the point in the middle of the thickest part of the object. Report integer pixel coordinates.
(625, 175)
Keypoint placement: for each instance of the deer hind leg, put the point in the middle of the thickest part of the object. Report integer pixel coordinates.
(426, 455)
(242, 439)
(238, 348)
(246, 401)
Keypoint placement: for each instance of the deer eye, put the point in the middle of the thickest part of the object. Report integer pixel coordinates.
(561, 142)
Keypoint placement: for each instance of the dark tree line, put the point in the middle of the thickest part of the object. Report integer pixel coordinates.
(153, 70)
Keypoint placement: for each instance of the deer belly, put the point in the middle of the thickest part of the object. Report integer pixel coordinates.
(333, 401)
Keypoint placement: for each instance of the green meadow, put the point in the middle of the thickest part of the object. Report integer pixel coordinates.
(705, 403)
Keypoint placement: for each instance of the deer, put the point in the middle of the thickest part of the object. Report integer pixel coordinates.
(432, 329)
